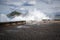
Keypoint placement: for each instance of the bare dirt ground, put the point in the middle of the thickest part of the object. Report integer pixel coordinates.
(49, 31)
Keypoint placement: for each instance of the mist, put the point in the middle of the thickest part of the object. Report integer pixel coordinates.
(4, 18)
(33, 15)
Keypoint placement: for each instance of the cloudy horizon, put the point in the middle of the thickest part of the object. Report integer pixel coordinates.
(48, 7)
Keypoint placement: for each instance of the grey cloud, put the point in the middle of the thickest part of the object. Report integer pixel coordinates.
(47, 6)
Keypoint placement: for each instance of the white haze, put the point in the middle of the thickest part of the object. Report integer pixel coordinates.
(34, 15)
(3, 18)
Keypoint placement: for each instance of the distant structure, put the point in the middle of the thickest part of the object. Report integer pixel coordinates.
(57, 17)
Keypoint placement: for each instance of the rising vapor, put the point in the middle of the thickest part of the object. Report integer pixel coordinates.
(3, 18)
(33, 15)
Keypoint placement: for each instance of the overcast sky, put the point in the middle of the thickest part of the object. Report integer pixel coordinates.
(46, 6)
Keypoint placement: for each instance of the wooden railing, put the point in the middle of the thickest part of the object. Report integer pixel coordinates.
(5, 24)
(16, 23)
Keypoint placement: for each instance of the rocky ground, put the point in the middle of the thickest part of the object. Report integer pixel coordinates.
(32, 32)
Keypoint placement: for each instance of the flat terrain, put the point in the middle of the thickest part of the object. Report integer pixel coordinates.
(47, 31)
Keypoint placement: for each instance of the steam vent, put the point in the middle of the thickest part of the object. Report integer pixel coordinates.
(29, 19)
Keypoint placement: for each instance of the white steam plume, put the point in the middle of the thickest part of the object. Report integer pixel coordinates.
(3, 18)
(34, 15)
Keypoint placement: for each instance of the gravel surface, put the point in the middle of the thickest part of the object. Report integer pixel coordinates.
(32, 32)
